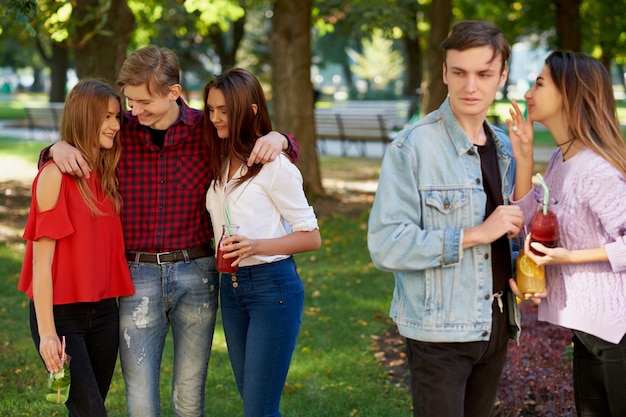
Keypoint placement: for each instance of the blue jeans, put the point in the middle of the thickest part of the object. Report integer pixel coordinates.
(183, 295)
(262, 309)
(91, 337)
(599, 376)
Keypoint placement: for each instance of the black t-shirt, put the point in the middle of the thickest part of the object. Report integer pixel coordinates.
(500, 249)
(157, 136)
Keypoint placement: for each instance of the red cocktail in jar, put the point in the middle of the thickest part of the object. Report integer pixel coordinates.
(224, 264)
(544, 228)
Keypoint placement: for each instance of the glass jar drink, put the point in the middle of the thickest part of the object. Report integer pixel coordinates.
(544, 227)
(530, 277)
(222, 264)
(59, 383)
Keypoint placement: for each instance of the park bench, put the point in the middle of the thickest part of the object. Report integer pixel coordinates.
(46, 118)
(355, 123)
(396, 112)
(351, 128)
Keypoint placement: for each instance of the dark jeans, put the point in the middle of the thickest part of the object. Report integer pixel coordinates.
(599, 376)
(91, 337)
(458, 379)
(262, 308)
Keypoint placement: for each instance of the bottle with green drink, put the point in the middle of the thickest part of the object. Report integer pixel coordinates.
(59, 382)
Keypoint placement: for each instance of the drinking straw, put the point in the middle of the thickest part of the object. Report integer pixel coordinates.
(62, 359)
(546, 197)
(227, 219)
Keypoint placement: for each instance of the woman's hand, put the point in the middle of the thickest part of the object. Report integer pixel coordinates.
(534, 297)
(521, 133)
(238, 248)
(50, 349)
(550, 255)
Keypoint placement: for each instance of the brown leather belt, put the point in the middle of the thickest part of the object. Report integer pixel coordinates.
(201, 251)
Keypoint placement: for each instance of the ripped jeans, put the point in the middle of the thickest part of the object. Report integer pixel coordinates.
(183, 295)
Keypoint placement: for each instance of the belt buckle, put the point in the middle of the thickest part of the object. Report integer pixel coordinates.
(158, 257)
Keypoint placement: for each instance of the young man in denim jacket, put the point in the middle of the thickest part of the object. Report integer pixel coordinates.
(441, 223)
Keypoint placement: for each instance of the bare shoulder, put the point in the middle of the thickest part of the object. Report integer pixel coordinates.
(48, 187)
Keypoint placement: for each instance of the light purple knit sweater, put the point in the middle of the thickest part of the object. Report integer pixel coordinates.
(591, 209)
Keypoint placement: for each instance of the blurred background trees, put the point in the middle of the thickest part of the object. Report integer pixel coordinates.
(302, 50)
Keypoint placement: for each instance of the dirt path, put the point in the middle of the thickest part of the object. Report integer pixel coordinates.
(16, 177)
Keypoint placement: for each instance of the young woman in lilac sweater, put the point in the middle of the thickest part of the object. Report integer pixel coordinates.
(586, 272)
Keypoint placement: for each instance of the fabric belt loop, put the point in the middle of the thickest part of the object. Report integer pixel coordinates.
(498, 296)
(185, 255)
(136, 262)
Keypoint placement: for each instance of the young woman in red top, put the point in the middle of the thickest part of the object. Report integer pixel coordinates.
(75, 264)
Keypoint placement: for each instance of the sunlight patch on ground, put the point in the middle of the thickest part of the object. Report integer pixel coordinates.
(339, 186)
(14, 168)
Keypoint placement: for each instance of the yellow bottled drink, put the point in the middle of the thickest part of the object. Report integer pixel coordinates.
(530, 277)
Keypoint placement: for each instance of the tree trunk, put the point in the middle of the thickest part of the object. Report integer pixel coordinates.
(622, 80)
(434, 89)
(568, 24)
(414, 69)
(58, 72)
(292, 90)
(100, 52)
(58, 62)
(413, 73)
(606, 59)
(37, 85)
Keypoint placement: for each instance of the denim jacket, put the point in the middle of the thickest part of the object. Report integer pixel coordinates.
(430, 189)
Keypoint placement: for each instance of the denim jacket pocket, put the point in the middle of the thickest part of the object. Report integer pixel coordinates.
(444, 208)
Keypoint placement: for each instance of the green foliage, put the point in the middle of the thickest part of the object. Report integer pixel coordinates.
(23, 11)
(379, 63)
(218, 12)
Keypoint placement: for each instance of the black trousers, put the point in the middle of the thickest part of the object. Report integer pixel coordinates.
(91, 333)
(599, 376)
(458, 379)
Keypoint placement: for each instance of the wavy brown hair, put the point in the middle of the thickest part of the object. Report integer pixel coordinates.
(241, 90)
(156, 67)
(589, 103)
(86, 107)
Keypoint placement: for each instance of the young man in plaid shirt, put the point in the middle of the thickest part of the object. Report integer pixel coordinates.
(164, 176)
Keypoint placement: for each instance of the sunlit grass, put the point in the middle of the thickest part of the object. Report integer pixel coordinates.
(28, 151)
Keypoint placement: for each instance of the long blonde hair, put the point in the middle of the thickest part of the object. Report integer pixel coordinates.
(590, 109)
(86, 107)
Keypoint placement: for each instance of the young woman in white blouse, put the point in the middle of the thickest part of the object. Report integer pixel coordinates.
(262, 302)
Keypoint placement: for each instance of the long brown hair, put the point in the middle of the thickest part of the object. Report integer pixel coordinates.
(86, 106)
(241, 90)
(590, 109)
